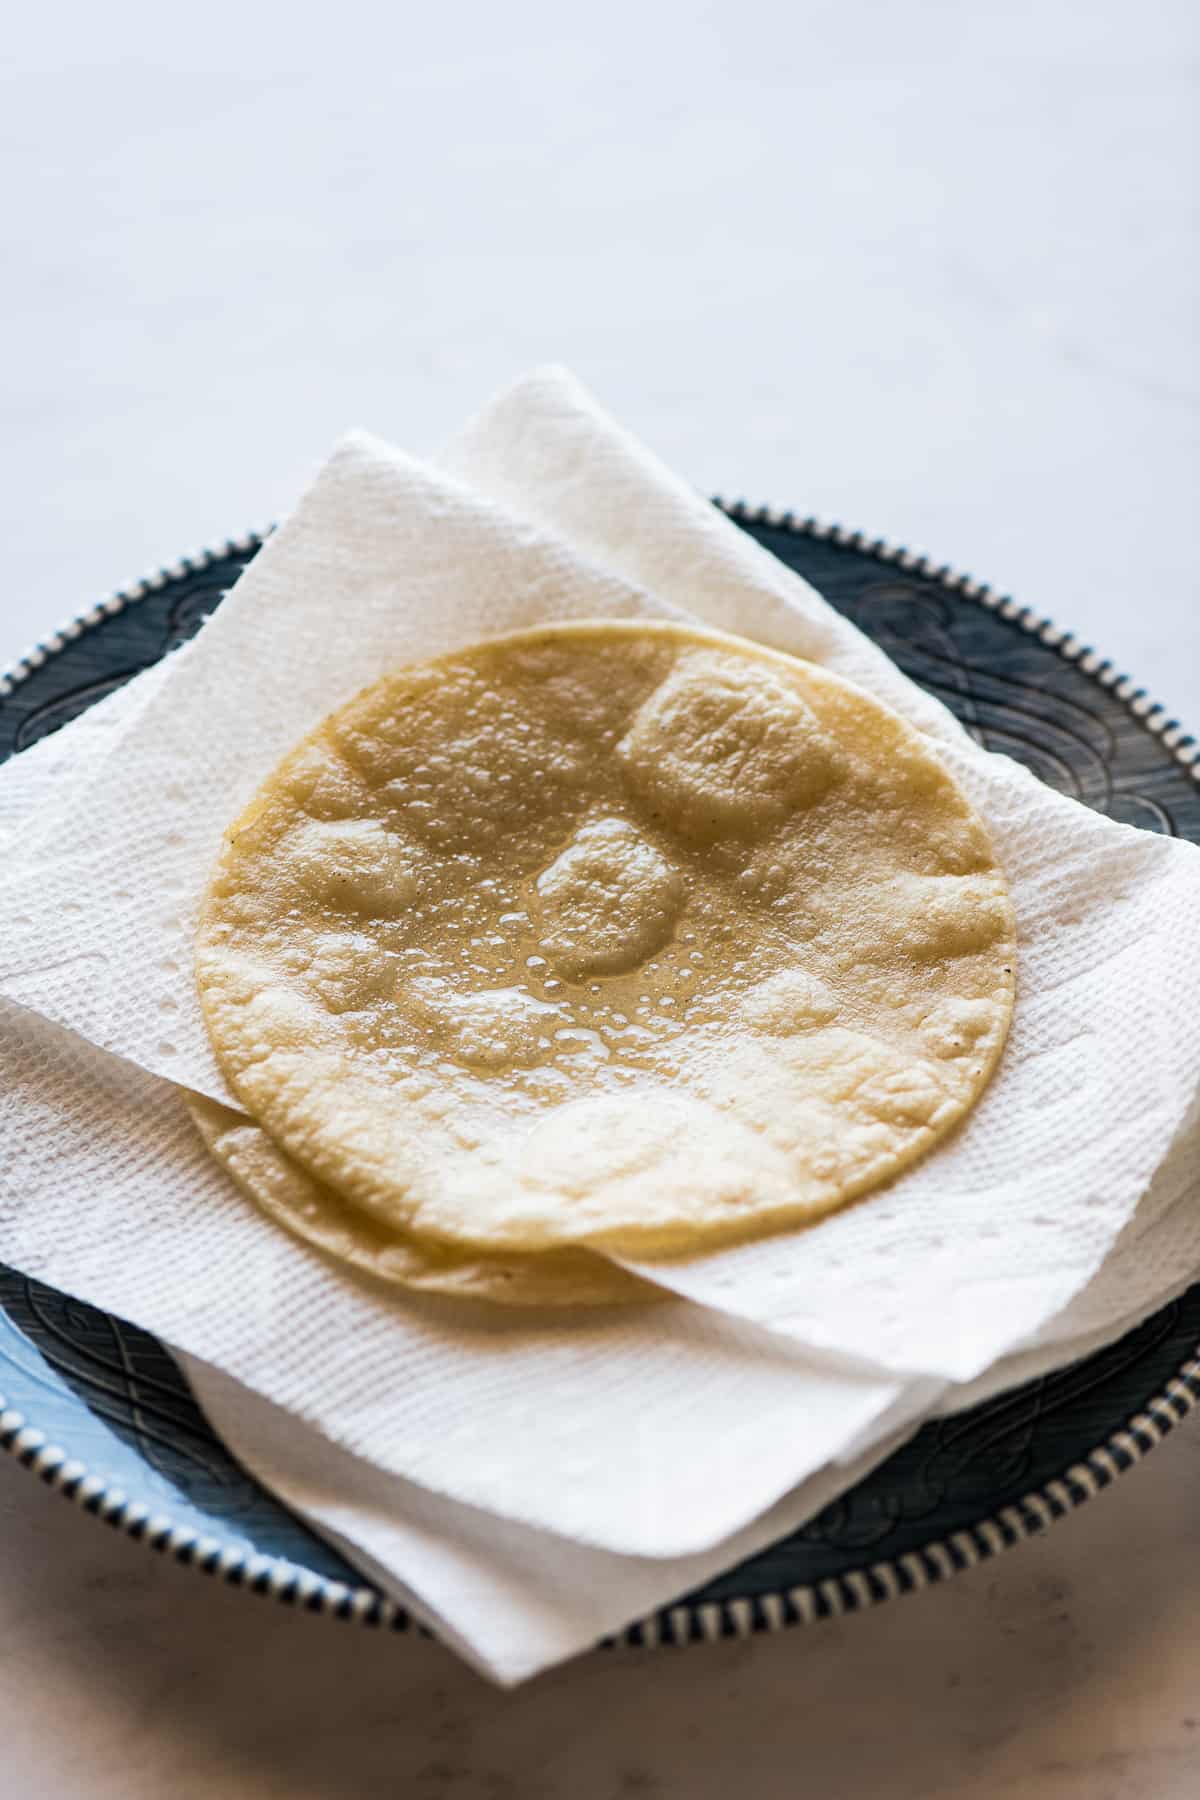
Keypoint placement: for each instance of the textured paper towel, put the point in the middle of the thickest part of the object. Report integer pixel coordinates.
(37, 784)
(1104, 1307)
(654, 1430)
(546, 451)
(383, 561)
(116, 1133)
(1156, 1256)
(962, 1259)
(976, 1250)
(514, 1600)
(510, 1598)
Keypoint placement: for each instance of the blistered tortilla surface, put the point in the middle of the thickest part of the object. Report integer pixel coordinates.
(620, 935)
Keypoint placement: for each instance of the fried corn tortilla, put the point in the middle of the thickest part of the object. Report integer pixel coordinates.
(614, 935)
(310, 1210)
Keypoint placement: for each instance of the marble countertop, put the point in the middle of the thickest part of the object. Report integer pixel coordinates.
(927, 270)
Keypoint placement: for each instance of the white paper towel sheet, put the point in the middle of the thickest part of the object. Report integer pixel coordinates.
(33, 792)
(511, 1598)
(513, 1601)
(553, 512)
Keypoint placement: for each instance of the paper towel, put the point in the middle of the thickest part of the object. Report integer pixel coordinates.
(513, 1601)
(1156, 1256)
(961, 1259)
(36, 785)
(377, 522)
(1104, 1057)
(652, 1429)
(510, 1598)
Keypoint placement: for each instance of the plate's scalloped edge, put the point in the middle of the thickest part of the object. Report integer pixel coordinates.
(684, 1622)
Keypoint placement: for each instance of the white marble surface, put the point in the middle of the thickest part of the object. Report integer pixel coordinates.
(928, 269)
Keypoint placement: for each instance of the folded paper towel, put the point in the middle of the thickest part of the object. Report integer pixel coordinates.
(552, 511)
(509, 1597)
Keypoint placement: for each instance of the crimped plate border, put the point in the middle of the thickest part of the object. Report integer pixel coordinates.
(684, 1623)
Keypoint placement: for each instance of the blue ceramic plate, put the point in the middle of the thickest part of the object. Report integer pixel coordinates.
(100, 1412)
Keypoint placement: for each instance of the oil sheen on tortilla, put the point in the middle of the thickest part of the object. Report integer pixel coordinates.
(615, 935)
